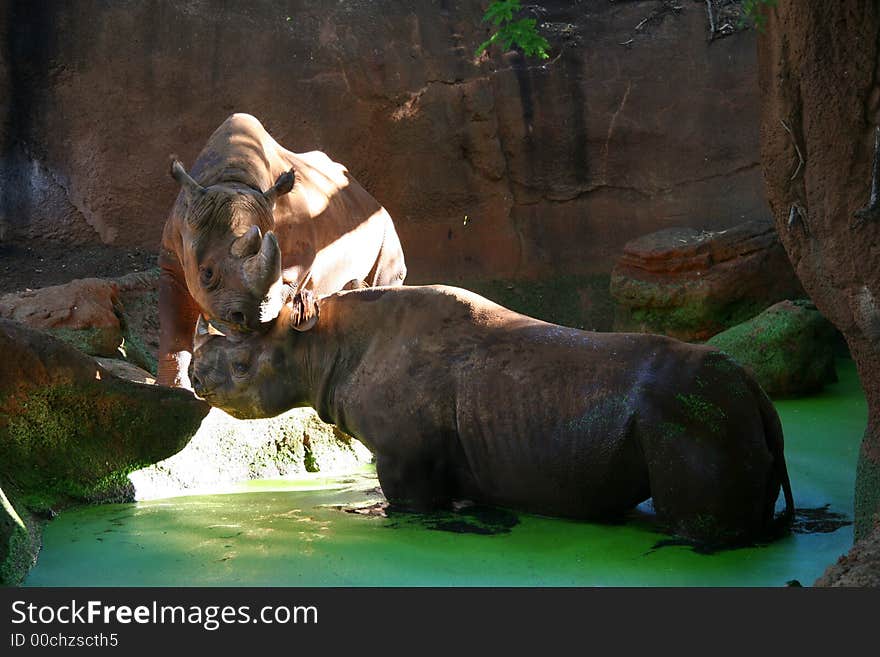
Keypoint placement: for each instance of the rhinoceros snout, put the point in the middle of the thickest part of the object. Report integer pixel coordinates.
(196, 382)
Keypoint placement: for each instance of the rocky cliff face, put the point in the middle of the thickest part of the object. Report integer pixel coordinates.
(820, 105)
(496, 168)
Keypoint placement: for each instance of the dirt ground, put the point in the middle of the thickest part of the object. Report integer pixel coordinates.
(33, 264)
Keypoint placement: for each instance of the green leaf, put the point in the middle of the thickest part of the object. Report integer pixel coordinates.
(521, 33)
(501, 11)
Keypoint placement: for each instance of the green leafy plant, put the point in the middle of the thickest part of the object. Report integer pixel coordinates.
(510, 31)
(752, 12)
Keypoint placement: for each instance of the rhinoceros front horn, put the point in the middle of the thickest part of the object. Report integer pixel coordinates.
(263, 269)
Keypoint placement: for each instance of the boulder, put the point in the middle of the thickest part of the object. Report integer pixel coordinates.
(125, 370)
(71, 431)
(139, 305)
(85, 313)
(859, 567)
(226, 451)
(108, 318)
(788, 348)
(692, 284)
(20, 541)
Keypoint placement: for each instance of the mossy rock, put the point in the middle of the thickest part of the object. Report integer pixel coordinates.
(20, 540)
(226, 451)
(109, 318)
(692, 284)
(788, 348)
(72, 431)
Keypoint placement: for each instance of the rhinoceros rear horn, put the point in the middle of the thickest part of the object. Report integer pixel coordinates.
(248, 244)
(282, 186)
(183, 178)
(264, 268)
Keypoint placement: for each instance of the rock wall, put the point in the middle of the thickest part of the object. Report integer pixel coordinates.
(820, 83)
(496, 168)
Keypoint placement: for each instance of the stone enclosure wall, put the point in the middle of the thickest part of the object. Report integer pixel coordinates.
(497, 169)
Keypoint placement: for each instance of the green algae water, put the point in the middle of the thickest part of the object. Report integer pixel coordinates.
(276, 533)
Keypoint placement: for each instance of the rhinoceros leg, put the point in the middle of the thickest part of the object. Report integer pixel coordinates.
(708, 460)
(414, 482)
(178, 314)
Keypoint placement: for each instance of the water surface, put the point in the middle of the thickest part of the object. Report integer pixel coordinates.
(281, 533)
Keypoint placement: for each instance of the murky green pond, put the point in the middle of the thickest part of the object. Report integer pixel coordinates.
(276, 533)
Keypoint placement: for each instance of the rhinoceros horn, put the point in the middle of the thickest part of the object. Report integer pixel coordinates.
(184, 179)
(282, 186)
(248, 244)
(263, 269)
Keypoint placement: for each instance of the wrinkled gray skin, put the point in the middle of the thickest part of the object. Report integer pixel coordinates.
(460, 398)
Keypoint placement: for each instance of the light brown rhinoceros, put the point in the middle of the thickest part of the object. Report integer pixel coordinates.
(458, 397)
(251, 213)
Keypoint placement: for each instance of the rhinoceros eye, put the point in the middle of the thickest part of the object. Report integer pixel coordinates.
(240, 368)
(206, 276)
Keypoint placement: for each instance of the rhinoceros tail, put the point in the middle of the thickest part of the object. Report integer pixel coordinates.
(775, 443)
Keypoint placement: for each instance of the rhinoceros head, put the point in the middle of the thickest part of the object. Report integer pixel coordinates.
(232, 267)
(254, 375)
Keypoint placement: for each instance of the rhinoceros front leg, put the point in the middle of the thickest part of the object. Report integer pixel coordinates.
(414, 483)
(178, 314)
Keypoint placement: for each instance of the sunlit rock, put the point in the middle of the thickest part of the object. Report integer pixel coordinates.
(692, 284)
(226, 451)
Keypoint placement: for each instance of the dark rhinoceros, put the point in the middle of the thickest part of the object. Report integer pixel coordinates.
(251, 216)
(461, 398)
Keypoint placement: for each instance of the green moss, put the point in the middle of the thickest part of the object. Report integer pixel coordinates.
(140, 317)
(691, 320)
(79, 441)
(867, 496)
(701, 410)
(19, 541)
(92, 341)
(138, 353)
(309, 461)
(671, 430)
(577, 301)
(789, 350)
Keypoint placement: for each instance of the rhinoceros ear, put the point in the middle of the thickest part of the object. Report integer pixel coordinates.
(205, 328)
(282, 186)
(202, 327)
(204, 331)
(304, 311)
(184, 179)
(248, 244)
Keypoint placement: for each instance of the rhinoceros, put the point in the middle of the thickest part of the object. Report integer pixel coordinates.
(252, 216)
(460, 398)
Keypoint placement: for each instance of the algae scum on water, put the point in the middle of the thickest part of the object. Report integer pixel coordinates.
(276, 533)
